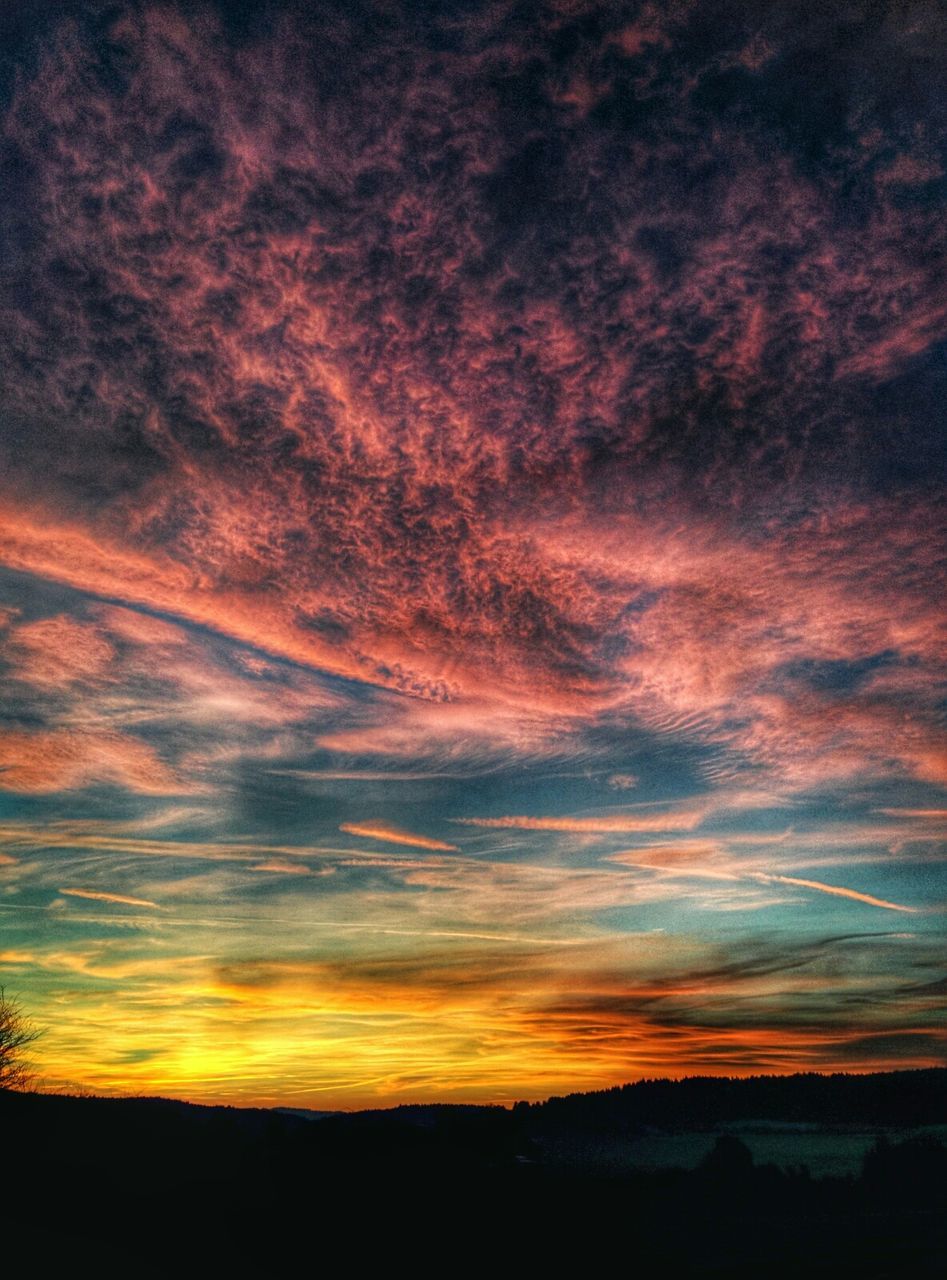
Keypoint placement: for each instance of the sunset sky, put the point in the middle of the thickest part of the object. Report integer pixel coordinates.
(472, 543)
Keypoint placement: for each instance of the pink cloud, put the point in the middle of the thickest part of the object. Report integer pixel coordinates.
(64, 759)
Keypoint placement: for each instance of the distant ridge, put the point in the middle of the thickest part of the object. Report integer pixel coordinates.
(907, 1098)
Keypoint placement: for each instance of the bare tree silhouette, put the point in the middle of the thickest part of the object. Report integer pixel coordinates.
(16, 1033)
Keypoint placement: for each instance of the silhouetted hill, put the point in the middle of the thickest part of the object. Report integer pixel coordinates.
(896, 1098)
(152, 1184)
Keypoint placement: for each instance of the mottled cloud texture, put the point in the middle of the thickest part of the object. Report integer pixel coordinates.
(440, 447)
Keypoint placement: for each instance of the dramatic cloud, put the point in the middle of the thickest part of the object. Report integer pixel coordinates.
(498, 433)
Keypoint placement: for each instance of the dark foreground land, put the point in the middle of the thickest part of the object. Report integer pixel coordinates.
(153, 1187)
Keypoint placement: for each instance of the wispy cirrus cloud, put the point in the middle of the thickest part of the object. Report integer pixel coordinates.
(838, 890)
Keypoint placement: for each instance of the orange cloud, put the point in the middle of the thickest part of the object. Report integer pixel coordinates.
(96, 563)
(59, 651)
(119, 898)
(935, 815)
(395, 835)
(284, 868)
(65, 759)
(682, 821)
(542, 1018)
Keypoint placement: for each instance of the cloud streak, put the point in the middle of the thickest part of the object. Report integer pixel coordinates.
(610, 824)
(838, 890)
(394, 835)
(97, 896)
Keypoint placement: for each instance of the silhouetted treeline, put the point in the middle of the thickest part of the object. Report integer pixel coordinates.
(898, 1098)
(155, 1187)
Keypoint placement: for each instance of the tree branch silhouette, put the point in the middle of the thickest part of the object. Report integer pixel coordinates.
(17, 1032)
